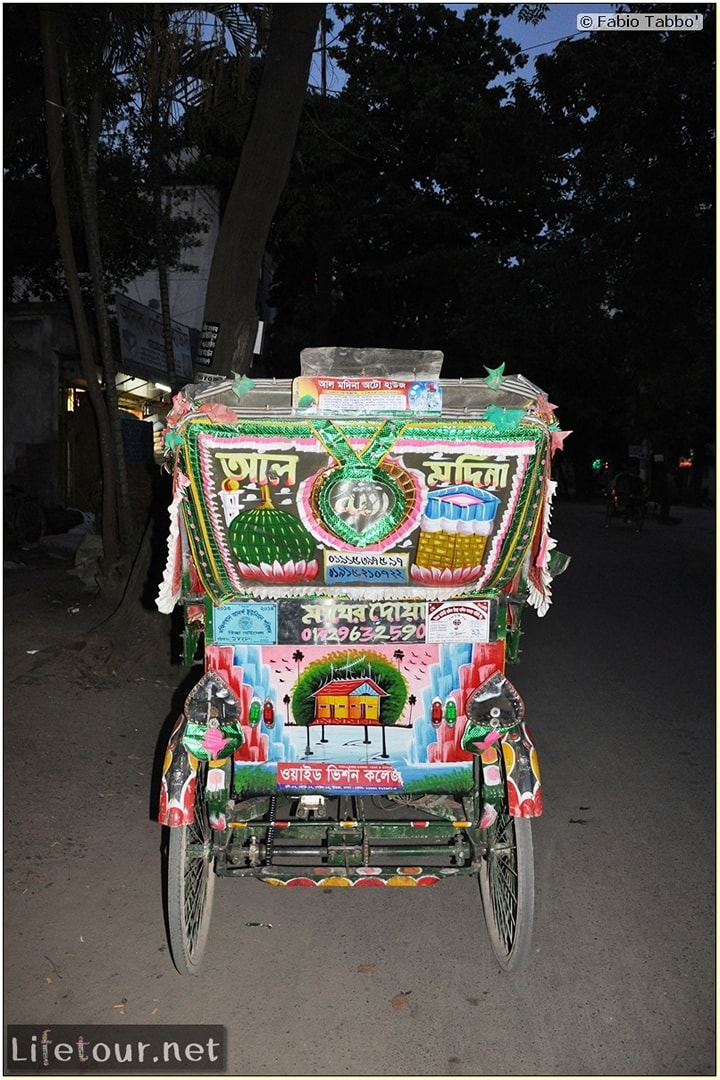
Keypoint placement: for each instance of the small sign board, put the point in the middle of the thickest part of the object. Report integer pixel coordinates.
(363, 397)
(142, 348)
(323, 776)
(462, 620)
(244, 624)
(365, 568)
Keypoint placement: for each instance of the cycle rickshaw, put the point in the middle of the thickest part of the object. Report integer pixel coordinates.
(626, 498)
(353, 550)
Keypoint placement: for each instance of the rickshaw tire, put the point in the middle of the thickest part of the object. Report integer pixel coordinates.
(190, 885)
(507, 889)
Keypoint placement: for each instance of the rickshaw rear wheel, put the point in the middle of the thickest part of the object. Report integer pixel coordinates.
(190, 884)
(507, 888)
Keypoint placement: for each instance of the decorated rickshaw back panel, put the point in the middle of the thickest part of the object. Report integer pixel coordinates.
(395, 506)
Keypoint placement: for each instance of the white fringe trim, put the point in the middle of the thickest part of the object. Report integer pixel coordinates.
(171, 586)
(539, 591)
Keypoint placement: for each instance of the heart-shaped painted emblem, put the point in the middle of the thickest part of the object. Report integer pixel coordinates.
(360, 505)
(362, 499)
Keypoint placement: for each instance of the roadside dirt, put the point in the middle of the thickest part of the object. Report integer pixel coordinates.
(81, 753)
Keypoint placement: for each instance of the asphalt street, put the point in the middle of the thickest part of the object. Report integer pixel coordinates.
(619, 685)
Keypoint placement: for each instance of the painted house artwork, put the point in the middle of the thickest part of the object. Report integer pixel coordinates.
(348, 701)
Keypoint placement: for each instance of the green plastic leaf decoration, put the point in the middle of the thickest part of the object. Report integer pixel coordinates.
(558, 563)
(494, 376)
(172, 440)
(242, 385)
(504, 419)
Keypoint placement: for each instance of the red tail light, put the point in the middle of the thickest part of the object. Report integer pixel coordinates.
(268, 714)
(436, 712)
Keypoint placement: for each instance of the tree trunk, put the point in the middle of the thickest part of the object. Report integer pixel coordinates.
(230, 322)
(54, 122)
(86, 172)
(163, 287)
(157, 153)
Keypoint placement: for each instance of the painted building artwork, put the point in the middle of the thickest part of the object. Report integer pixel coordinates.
(348, 701)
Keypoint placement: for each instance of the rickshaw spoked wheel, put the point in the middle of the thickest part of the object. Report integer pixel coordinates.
(190, 884)
(507, 888)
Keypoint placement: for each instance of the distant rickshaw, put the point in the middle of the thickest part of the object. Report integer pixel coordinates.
(626, 499)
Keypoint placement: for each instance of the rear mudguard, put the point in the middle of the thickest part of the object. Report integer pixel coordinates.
(495, 723)
(522, 772)
(177, 785)
(179, 780)
(522, 776)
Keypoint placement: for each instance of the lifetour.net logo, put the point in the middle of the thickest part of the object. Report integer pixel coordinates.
(120, 1049)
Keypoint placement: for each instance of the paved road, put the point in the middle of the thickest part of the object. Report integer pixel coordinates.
(618, 681)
